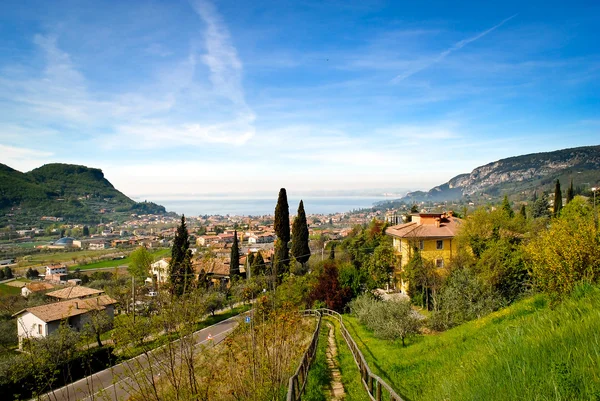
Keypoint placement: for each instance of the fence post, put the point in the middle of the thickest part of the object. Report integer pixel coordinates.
(378, 391)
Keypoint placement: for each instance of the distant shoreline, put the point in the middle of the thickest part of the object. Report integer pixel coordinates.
(260, 206)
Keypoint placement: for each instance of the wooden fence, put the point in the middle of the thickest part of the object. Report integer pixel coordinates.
(377, 389)
(298, 381)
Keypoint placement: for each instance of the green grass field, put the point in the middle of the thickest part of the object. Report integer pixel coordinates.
(119, 262)
(45, 258)
(528, 351)
(8, 290)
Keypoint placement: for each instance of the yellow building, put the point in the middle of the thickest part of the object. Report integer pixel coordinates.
(432, 234)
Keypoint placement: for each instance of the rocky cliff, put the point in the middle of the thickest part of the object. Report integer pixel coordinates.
(535, 171)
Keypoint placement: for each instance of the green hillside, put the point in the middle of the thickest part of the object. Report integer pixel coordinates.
(74, 193)
(67, 180)
(528, 351)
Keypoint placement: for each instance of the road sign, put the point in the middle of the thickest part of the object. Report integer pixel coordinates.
(247, 319)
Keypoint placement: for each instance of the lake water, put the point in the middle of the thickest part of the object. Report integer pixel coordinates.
(263, 206)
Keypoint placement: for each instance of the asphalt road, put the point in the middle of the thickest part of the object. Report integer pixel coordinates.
(118, 382)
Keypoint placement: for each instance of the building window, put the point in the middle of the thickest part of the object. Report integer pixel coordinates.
(439, 263)
(439, 244)
(421, 244)
(40, 329)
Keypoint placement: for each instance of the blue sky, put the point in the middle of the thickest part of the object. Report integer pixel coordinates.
(174, 98)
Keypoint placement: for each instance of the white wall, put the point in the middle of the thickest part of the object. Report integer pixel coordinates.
(27, 327)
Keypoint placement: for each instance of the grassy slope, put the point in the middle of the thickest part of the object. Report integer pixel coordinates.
(528, 351)
(8, 290)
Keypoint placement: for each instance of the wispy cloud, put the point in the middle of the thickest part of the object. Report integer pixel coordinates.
(176, 107)
(225, 67)
(457, 46)
(23, 159)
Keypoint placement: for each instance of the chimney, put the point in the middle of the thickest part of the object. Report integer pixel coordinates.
(437, 222)
(76, 305)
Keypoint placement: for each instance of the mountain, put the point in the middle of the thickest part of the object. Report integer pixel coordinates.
(74, 193)
(519, 176)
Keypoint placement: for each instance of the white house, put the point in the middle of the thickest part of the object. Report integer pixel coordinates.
(56, 269)
(252, 238)
(41, 321)
(99, 245)
(160, 271)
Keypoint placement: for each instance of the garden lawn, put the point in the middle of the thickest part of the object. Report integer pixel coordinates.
(528, 351)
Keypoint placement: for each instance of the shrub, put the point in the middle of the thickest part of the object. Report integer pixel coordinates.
(567, 253)
(464, 297)
(389, 320)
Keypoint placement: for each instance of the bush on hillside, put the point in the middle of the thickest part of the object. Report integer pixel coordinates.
(464, 297)
(389, 320)
(568, 252)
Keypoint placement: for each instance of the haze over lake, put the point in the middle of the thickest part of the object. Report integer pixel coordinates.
(261, 206)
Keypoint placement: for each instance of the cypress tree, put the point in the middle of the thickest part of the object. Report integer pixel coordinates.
(282, 230)
(506, 207)
(332, 252)
(557, 199)
(282, 217)
(570, 192)
(258, 265)
(180, 266)
(300, 248)
(280, 260)
(523, 212)
(540, 207)
(86, 231)
(234, 262)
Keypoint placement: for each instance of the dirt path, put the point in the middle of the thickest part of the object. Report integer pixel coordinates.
(337, 388)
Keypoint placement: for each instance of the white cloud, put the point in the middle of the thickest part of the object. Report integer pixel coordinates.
(171, 110)
(157, 135)
(457, 46)
(23, 159)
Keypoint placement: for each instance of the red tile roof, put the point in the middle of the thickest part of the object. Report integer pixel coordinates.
(66, 309)
(448, 228)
